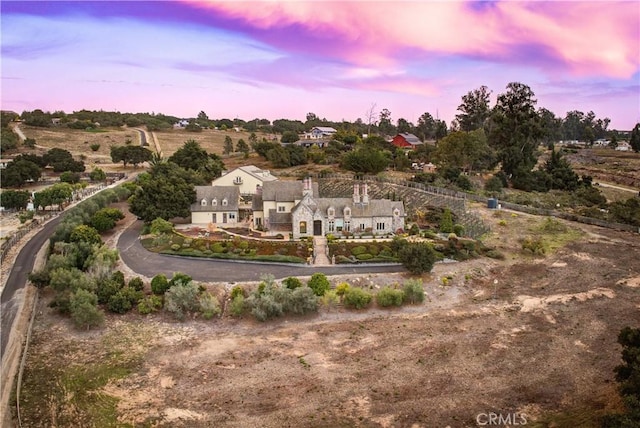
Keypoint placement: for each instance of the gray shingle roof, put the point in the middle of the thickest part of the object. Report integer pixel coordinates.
(285, 191)
(410, 138)
(230, 193)
(375, 207)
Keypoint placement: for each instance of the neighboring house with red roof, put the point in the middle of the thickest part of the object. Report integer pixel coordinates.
(406, 141)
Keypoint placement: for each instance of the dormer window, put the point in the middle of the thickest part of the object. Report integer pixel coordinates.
(214, 202)
(225, 202)
(203, 202)
(331, 212)
(347, 212)
(396, 212)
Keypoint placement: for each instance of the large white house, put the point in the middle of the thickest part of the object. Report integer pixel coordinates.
(248, 179)
(320, 132)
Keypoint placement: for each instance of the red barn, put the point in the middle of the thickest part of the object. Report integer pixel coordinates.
(406, 141)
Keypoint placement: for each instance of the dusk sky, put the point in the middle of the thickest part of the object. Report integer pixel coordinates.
(272, 59)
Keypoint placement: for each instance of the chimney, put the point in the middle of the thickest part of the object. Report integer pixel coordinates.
(365, 195)
(306, 188)
(356, 194)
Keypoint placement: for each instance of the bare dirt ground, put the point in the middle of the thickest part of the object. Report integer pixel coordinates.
(608, 165)
(541, 341)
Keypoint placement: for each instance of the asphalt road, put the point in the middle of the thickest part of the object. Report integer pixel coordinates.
(143, 137)
(17, 279)
(150, 264)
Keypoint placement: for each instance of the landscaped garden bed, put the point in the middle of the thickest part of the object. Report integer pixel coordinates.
(236, 248)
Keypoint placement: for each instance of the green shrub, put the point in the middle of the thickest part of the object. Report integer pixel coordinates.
(179, 278)
(118, 277)
(357, 298)
(105, 289)
(413, 291)
(84, 311)
(319, 284)
(301, 301)
(237, 306)
(446, 221)
(292, 283)
(237, 291)
(330, 299)
(209, 305)
(175, 247)
(149, 304)
(136, 283)
(159, 284)
(160, 226)
(182, 299)
(533, 245)
(360, 249)
(217, 247)
(388, 296)
(495, 254)
(417, 257)
(364, 257)
(264, 306)
(95, 147)
(119, 303)
(342, 288)
(458, 229)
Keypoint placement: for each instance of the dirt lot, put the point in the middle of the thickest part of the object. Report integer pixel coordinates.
(540, 342)
(608, 165)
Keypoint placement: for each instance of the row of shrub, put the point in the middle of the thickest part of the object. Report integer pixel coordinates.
(271, 300)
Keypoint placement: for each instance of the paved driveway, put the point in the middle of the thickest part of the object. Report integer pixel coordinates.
(150, 264)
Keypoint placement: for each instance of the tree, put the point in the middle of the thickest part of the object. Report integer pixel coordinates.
(84, 310)
(130, 154)
(446, 222)
(97, 175)
(84, 233)
(243, 147)
(14, 199)
(634, 141)
(474, 109)
(515, 129)
(57, 194)
(366, 160)
(384, 123)
(105, 219)
(426, 129)
(168, 194)
(18, 172)
(404, 126)
(417, 257)
(228, 145)
(70, 177)
(319, 284)
(62, 160)
(289, 137)
(466, 151)
(562, 175)
(628, 376)
(194, 158)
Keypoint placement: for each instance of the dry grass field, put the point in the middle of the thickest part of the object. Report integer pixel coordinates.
(539, 342)
(608, 165)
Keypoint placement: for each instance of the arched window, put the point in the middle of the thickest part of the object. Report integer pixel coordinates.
(347, 212)
(224, 202)
(331, 212)
(214, 202)
(396, 212)
(203, 202)
(303, 227)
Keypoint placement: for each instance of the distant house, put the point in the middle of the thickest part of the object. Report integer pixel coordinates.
(306, 143)
(406, 141)
(5, 162)
(623, 146)
(320, 132)
(216, 205)
(429, 168)
(247, 178)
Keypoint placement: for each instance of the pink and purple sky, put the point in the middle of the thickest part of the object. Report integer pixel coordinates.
(273, 59)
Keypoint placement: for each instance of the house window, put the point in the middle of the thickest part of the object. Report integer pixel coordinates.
(347, 212)
(363, 226)
(237, 180)
(303, 227)
(232, 216)
(347, 226)
(396, 212)
(331, 212)
(224, 202)
(281, 208)
(380, 226)
(214, 218)
(332, 226)
(203, 203)
(214, 202)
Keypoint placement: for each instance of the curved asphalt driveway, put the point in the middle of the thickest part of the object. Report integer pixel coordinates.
(17, 279)
(149, 264)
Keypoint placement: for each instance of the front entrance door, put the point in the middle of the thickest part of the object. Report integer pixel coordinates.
(224, 217)
(317, 227)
